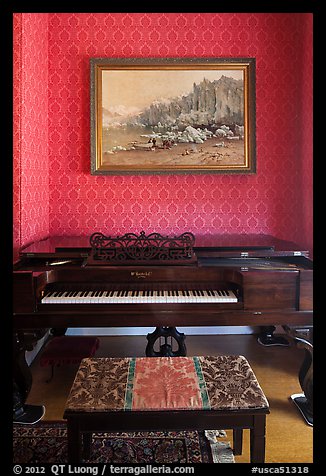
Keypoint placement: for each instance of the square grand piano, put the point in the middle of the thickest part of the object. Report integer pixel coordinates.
(162, 282)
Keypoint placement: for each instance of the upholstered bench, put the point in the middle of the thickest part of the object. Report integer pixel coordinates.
(170, 393)
(68, 350)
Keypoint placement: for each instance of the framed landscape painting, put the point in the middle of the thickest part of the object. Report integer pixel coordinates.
(172, 115)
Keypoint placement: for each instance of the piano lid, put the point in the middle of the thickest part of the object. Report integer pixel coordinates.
(230, 245)
(226, 245)
(59, 247)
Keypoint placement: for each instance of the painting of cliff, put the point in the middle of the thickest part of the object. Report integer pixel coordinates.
(173, 117)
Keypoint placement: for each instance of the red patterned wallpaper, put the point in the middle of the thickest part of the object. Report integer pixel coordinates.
(277, 200)
(30, 141)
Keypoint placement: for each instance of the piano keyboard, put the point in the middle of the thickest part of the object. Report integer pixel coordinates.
(139, 297)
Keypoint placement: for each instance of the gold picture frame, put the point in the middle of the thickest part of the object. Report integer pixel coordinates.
(175, 115)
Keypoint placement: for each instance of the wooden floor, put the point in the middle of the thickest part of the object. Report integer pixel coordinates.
(289, 438)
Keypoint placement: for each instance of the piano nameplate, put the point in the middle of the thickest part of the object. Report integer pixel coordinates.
(141, 274)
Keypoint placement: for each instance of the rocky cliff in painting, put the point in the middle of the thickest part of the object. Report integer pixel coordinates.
(209, 103)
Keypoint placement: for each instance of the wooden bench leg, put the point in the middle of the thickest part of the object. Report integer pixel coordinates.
(74, 441)
(257, 439)
(237, 441)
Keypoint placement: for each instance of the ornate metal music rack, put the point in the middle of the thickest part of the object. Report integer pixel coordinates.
(142, 249)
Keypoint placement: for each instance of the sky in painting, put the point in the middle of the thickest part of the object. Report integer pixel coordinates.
(138, 89)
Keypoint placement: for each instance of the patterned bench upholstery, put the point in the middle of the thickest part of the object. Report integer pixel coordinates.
(152, 393)
(165, 383)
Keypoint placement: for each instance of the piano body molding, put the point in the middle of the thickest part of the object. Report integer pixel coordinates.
(247, 280)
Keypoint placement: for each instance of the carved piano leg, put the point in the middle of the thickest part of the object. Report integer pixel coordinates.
(22, 378)
(166, 350)
(303, 338)
(267, 338)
